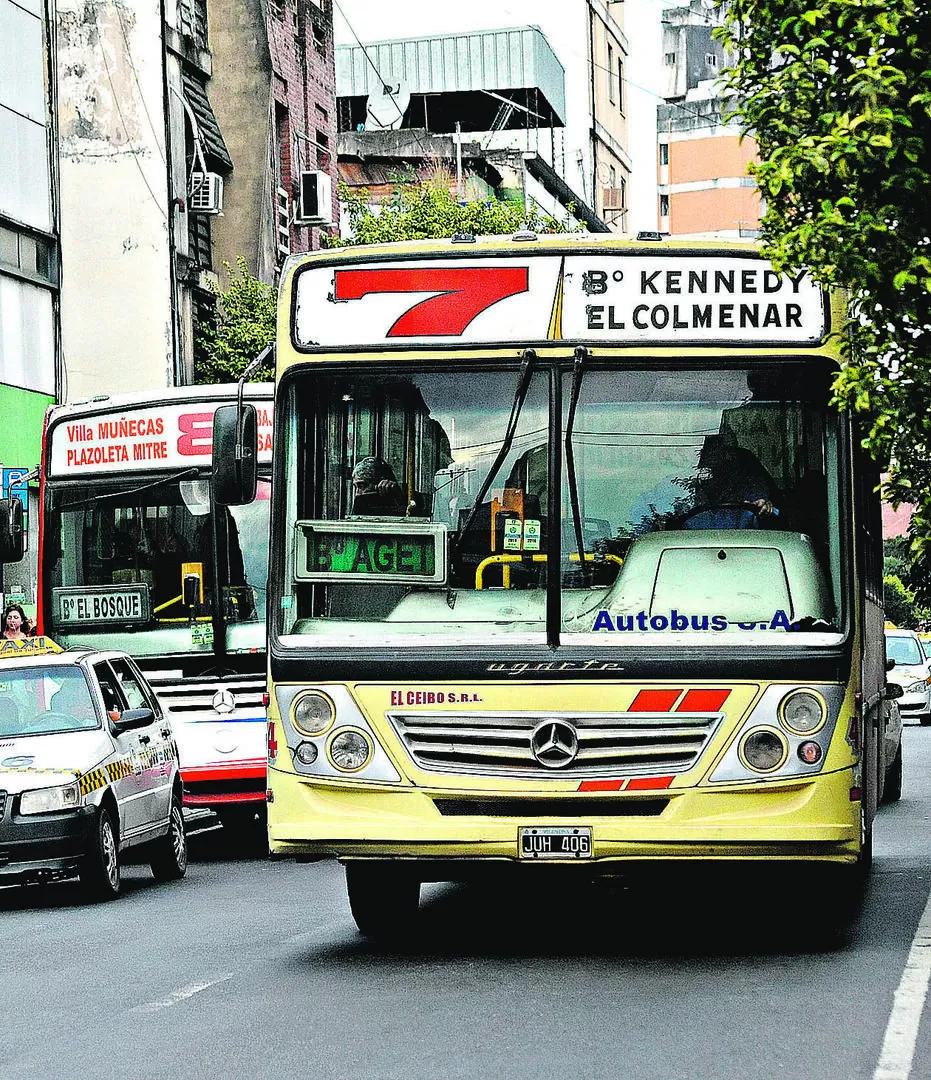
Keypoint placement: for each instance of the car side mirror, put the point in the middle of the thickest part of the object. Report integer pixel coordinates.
(893, 691)
(12, 538)
(235, 453)
(890, 663)
(130, 719)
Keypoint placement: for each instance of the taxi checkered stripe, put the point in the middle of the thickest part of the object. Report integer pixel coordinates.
(92, 780)
(116, 770)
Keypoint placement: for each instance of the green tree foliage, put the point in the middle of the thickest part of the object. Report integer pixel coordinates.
(243, 326)
(420, 211)
(838, 96)
(900, 577)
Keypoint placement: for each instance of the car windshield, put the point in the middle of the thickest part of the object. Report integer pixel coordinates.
(418, 506)
(43, 700)
(904, 650)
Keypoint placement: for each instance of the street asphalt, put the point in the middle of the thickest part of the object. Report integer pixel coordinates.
(251, 968)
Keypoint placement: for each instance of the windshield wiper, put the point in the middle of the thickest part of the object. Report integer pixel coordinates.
(520, 393)
(578, 371)
(123, 492)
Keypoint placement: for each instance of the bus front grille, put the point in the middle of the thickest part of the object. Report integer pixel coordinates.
(229, 697)
(571, 807)
(597, 744)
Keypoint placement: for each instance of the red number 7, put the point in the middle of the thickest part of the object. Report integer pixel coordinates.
(463, 294)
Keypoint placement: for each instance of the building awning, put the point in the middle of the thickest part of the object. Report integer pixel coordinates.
(195, 93)
(550, 180)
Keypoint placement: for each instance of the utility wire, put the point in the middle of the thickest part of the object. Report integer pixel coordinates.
(116, 102)
(132, 68)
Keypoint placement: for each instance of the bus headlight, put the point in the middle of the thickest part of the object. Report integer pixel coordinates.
(313, 713)
(50, 800)
(802, 712)
(306, 753)
(349, 750)
(763, 750)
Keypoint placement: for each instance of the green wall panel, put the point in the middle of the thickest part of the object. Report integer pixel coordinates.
(22, 413)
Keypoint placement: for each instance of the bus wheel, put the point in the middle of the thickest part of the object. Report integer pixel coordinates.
(892, 789)
(383, 898)
(246, 826)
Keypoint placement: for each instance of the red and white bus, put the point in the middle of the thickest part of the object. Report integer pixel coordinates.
(134, 554)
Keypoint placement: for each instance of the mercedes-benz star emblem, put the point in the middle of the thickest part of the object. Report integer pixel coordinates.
(554, 743)
(223, 702)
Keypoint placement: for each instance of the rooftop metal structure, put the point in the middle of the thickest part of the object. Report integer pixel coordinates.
(487, 80)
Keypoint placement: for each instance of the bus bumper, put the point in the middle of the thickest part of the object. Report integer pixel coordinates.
(813, 819)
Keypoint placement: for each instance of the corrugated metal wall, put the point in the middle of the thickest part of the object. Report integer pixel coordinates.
(484, 60)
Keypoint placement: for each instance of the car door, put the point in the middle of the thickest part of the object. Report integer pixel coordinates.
(127, 788)
(153, 742)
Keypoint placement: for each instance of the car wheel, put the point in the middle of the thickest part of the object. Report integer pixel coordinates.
(383, 898)
(169, 853)
(892, 790)
(100, 866)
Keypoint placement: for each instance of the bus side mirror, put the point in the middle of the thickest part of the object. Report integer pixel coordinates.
(235, 452)
(12, 540)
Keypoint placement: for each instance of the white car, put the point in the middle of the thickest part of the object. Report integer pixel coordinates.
(912, 671)
(88, 769)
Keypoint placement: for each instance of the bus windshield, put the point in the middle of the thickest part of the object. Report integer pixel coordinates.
(123, 556)
(692, 502)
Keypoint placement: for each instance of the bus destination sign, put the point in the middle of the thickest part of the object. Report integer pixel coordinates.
(605, 297)
(396, 552)
(102, 604)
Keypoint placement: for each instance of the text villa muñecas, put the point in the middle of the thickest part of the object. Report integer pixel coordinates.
(680, 622)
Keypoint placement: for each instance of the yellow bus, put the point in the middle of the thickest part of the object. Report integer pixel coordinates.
(571, 563)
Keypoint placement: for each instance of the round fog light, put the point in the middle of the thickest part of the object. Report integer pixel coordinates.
(763, 750)
(306, 753)
(810, 753)
(802, 712)
(350, 750)
(313, 713)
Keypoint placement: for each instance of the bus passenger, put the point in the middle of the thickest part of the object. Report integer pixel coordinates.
(375, 489)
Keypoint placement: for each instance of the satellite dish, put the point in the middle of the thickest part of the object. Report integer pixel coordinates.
(386, 106)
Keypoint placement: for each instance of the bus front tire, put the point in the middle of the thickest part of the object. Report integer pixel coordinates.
(383, 898)
(892, 789)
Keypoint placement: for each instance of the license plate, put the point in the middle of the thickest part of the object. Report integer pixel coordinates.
(556, 843)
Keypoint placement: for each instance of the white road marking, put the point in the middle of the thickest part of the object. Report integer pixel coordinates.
(175, 996)
(898, 1052)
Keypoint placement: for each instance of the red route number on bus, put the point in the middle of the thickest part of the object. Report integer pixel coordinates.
(463, 294)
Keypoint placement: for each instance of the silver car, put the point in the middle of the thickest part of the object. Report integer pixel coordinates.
(912, 671)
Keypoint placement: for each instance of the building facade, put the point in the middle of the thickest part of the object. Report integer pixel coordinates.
(610, 160)
(184, 127)
(29, 264)
(704, 189)
(286, 93)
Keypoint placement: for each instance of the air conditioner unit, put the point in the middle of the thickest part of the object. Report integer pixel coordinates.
(314, 201)
(206, 195)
